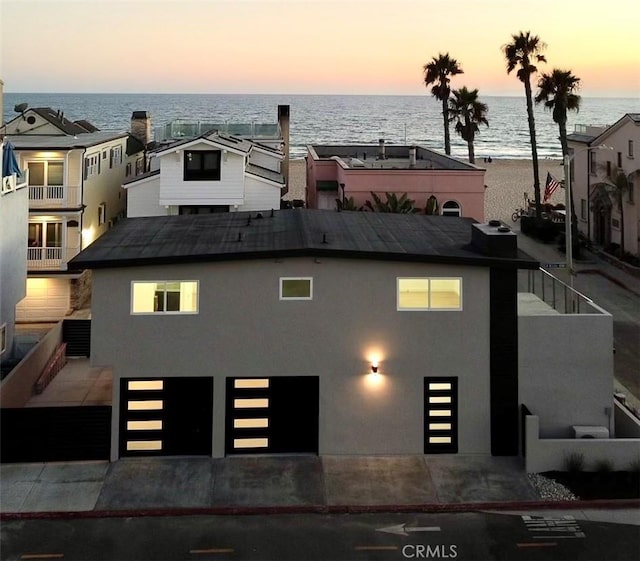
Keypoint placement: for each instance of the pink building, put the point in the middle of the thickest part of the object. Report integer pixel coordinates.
(337, 172)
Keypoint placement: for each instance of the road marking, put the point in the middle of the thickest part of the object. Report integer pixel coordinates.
(403, 529)
(551, 527)
(376, 548)
(211, 550)
(538, 544)
(42, 556)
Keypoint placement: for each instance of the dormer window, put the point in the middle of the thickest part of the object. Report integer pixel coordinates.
(202, 165)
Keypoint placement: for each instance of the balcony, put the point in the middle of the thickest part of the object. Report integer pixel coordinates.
(49, 258)
(54, 196)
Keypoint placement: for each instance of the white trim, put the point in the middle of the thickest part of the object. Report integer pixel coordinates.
(310, 297)
(200, 140)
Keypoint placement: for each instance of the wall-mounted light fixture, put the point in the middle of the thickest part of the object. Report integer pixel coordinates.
(374, 367)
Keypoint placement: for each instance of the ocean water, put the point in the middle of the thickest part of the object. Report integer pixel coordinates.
(338, 119)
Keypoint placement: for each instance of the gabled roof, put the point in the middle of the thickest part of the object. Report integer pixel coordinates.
(58, 120)
(633, 118)
(238, 145)
(289, 233)
(146, 175)
(134, 145)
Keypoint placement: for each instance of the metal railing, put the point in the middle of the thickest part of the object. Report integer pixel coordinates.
(55, 364)
(48, 196)
(557, 294)
(188, 129)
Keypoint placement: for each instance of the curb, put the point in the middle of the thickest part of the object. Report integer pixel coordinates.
(326, 509)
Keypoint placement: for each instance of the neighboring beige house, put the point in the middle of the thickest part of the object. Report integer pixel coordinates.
(214, 172)
(597, 150)
(354, 171)
(75, 173)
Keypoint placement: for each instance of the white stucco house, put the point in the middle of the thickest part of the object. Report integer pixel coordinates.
(598, 152)
(214, 172)
(324, 332)
(75, 175)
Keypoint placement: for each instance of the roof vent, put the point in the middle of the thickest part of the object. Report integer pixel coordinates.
(494, 223)
(504, 229)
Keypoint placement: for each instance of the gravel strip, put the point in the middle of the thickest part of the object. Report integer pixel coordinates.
(549, 489)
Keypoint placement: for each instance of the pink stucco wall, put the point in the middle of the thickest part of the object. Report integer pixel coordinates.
(466, 187)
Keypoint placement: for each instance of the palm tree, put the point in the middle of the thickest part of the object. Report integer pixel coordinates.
(617, 183)
(468, 113)
(558, 92)
(523, 52)
(436, 74)
(393, 204)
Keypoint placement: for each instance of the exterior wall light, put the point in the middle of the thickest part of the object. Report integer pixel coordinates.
(374, 367)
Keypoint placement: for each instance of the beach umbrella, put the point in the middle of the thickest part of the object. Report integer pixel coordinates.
(9, 161)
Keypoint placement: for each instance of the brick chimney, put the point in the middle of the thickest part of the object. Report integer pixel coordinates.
(141, 126)
(283, 121)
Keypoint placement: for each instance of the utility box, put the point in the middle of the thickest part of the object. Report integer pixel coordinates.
(585, 431)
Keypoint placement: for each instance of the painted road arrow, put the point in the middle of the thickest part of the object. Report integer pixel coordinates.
(403, 529)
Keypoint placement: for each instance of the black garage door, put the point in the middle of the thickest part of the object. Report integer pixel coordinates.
(166, 416)
(277, 415)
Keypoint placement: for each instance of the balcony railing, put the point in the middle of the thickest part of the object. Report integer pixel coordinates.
(559, 295)
(53, 196)
(46, 259)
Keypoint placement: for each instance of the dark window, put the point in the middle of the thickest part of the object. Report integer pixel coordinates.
(619, 164)
(202, 209)
(202, 165)
(608, 168)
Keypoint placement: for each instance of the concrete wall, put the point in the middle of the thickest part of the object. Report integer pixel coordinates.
(229, 190)
(17, 388)
(243, 329)
(550, 454)
(627, 425)
(566, 370)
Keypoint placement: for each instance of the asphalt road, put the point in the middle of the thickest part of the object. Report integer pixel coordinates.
(461, 536)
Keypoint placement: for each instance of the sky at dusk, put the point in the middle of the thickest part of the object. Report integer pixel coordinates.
(307, 46)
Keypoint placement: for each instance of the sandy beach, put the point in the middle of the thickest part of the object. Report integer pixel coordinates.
(506, 182)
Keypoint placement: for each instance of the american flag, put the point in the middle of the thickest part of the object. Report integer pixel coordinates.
(550, 187)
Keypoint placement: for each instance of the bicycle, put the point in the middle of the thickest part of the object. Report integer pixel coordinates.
(519, 212)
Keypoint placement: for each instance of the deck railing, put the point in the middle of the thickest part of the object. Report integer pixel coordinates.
(45, 258)
(559, 295)
(54, 196)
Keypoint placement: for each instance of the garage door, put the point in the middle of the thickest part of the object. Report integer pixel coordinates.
(45, 300)
(166, 416)
(277, 415)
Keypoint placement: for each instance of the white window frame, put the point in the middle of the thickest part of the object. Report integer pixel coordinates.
(3, 338)
(457, 211)
(102, 213)
(630, 149)
(165, 312)
(428, 308)
(310, 297)
(93, 164)
(115, 158)
(46, 170)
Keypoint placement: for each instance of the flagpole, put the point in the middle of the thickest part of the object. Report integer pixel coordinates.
(568, 242)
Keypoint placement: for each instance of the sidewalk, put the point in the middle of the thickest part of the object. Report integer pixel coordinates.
(276, 485)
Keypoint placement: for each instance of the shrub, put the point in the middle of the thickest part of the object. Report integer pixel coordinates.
(574, 462)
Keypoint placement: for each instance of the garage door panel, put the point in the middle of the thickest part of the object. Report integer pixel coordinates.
(277, 415)
(174, 419)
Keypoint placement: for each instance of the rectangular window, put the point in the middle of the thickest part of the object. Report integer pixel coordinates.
(296, 288)
(102, 213)
(583, 209)
(429, 294)
(593, 164)
(115, 156)
(630, 149)
(127, 170)
(91, 165)
(608, 168)
(165, 297)
(631, 191)
(46, 173)
(619, 164)
(202, 165)
(441, 415)
(3, 338)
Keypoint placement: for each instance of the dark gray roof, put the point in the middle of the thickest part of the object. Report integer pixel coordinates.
(58, 119)
(62, 142)
(584, 138)
(265, 173)
(144, 175)
(288, 233)
(134, 145)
